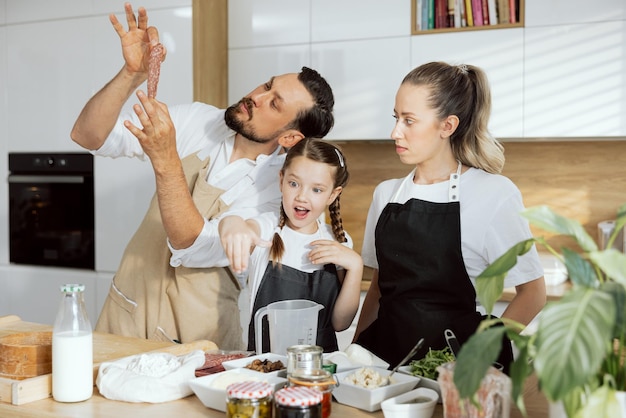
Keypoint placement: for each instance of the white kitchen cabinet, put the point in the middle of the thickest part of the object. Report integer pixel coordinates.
(365, 76)
(5, 296)
(35, 294)
(259, 23)
(43, 94)
(500, 53)
(574, 80)
(559, 12)
(345, 20)
(4, 165)
(251, 67)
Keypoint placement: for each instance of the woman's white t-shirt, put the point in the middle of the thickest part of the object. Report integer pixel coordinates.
(490, 221)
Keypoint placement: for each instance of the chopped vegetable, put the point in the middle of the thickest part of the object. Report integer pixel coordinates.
(427, 367)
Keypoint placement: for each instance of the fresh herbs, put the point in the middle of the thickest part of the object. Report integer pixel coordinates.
(427, 367)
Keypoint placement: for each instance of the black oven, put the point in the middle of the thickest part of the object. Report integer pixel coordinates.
(51, 209)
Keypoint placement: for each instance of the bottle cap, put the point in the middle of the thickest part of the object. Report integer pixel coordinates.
(249, 390)
(298, 396)
(72, 287)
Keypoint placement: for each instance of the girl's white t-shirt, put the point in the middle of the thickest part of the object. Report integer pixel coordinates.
(297, 248)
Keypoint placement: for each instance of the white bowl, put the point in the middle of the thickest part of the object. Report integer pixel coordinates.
(405, 405)
(554, 271)
(424, 381)
(211, 389)
(243, 362)
(370, 399)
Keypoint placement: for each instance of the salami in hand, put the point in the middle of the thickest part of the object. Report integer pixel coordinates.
(154, 69)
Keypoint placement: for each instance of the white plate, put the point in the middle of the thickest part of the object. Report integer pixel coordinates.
(211, 389)
(424, 381)
(243, 362)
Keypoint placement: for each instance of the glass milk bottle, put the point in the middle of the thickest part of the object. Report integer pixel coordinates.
(72, 348)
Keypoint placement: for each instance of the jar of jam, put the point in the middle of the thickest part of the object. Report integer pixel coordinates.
(249, 400)
(298, 402)
(318, 379)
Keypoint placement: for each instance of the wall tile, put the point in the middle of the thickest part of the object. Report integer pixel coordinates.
(20, 11)
(499, 53)
(268, 22)
(575, 80)
(560, 12)
(333, 20)
(365, 76)
(250, 67)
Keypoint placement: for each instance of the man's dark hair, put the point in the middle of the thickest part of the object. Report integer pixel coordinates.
(318, 120)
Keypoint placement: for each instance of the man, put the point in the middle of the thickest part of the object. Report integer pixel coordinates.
(172, 283)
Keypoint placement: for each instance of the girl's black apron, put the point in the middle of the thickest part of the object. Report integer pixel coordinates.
(422, 278)
(286, 283)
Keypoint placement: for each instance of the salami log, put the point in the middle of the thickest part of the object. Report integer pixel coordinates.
(213, 362)
(154, 69)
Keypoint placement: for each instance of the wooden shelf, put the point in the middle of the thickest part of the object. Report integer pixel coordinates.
(416, 31)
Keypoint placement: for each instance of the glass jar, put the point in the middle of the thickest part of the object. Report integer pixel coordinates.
(249, 400)
(298, 402)
(304, 357)
(318, 379)
(72, 348)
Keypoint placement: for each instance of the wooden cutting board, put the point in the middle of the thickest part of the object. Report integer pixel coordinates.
(106, 347)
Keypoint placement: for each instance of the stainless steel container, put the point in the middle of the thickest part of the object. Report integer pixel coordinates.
(605, 230)
(304, 357)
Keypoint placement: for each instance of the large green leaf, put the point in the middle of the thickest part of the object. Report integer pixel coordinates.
(476, 356)
(618, 293)
(579, 270)
(490, 283)
(602, 403)
(612, 263)
(573, 336)
(545, 218)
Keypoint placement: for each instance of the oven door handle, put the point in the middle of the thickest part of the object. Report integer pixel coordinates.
(27, 178)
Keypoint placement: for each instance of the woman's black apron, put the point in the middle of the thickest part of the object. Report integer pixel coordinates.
(282, 282)
(422, 278)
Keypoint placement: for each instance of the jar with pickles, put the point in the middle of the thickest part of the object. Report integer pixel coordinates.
(318, 379)
(249, 399)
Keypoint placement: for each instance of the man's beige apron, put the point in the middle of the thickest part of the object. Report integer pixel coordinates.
(151, 299)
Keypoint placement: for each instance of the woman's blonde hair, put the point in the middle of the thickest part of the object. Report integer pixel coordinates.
(463, 90)
(321, 152)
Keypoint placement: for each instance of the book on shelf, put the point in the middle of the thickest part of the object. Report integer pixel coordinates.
(493, 12)
(477, 12)
(512, 11)
(504, 14)
(441, 14)
(469, 16)
(485, 11)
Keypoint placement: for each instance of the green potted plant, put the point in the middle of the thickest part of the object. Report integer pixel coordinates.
(578, 348)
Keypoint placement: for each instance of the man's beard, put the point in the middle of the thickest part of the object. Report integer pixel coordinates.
(239, 125)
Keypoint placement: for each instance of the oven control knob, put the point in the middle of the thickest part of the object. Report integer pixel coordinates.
(50, 161)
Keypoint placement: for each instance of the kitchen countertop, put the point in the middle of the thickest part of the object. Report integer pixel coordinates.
(190, 407)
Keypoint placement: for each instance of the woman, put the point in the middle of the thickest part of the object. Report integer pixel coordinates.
(430, 234)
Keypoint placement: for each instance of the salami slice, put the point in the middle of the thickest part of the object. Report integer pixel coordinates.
(213, 362)
(154, 69)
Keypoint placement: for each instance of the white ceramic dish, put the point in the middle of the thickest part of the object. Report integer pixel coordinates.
(405, 405)
(211, 389)
(370, 399)
(243, 362)
(353, 357)
(424, 381)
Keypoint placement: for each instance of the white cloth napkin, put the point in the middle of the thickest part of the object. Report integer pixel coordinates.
(150, 377)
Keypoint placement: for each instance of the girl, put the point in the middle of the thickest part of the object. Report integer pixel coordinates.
(306, 259)
(430, 234)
